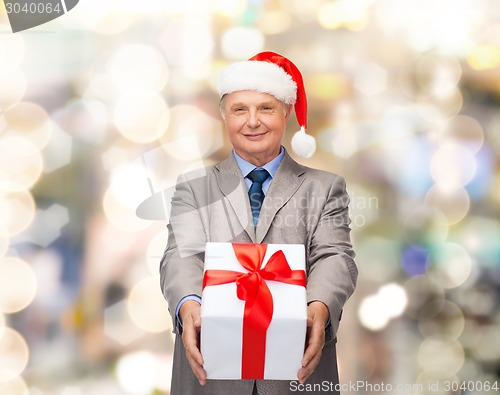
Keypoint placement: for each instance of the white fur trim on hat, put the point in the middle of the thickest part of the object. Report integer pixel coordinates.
(265, 77)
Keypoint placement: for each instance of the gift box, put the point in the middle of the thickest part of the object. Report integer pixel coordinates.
(253, 311)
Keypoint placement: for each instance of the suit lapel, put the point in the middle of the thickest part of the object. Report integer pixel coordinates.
(232, 185)
(285, 183)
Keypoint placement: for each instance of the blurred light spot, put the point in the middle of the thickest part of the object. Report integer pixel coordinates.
(230, 8)
(185, 86)
(17, 210)
(343, 140)
(434, 381)
(441, 317)
(450, 266)
(48, 267)
(136, 372)
(109, 17)
(72, 391)
(421, 291)
(14, 87)
(20, 164)
(120, 215)
(494, 193)
(414, 260)
(118, 326)
(233, 38)
(4, 237)
(425, 226)
(155, 249)
(350, 14)
(452, 166)
(16, 386)
(14, 354)
(141, 117)
(86, 119)
(17, 284)
(29, 120)
(48, 224)
(484, 57)
(447, 27)
(438, 352)
(487, 345)
(377, 310)
(12, 49)
(370, 315)
(113, 157)
(192, 134)
(3, 323)
(99, 87)
(401, 123)
(188, 45)
(453, 203)
(129, 184)
(465, 130)
(147, 306)
(394, 297)
(415, 151)
(363, 206)
(438, 109)
(274, 22)
(480, 185)
(438, 74)
(478, 301)
(480, 236)
(167, 7)
(382, 255)
(327, 86)
(370, 79)
(57, 152)
(138, 67)
(303, 10)
(164, 372)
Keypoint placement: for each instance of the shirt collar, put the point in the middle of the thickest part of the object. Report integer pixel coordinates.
(271, 166)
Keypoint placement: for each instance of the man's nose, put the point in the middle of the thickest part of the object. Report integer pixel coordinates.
(253, 119)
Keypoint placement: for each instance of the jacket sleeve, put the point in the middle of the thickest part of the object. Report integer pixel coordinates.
(332, 272)
(181, 267)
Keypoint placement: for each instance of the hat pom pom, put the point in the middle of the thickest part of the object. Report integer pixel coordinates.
(303, 144)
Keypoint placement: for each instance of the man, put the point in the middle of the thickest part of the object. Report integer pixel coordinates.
(301, 206)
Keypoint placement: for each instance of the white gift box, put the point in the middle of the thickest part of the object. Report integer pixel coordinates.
(222, 318)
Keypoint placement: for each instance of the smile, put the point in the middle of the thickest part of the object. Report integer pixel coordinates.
(255, 136)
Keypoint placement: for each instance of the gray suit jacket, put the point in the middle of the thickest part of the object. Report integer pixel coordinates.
(302, 206)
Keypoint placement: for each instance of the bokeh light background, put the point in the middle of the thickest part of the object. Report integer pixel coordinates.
(103, 107)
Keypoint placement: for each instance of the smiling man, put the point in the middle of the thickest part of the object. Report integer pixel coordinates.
(259, 194)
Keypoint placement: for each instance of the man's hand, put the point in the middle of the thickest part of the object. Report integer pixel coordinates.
(191, 324)
(317, 317)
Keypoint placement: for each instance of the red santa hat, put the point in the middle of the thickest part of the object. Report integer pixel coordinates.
(271, 73)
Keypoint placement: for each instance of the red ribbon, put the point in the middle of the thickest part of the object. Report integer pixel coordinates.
(251, 288)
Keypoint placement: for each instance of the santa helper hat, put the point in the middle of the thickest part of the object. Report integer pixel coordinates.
(271, 73)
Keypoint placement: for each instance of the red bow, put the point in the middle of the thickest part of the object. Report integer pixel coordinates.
(251, 288)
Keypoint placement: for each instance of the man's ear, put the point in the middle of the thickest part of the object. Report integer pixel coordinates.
(288, 110)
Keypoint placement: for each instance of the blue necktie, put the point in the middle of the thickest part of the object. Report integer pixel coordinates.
(255, 193)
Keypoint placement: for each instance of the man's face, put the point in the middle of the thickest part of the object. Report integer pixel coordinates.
(256, 124)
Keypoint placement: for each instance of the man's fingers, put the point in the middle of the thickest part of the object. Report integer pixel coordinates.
(193, 355)
(191, 340)
(197, 367)
(315, 342)
(307, 370)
